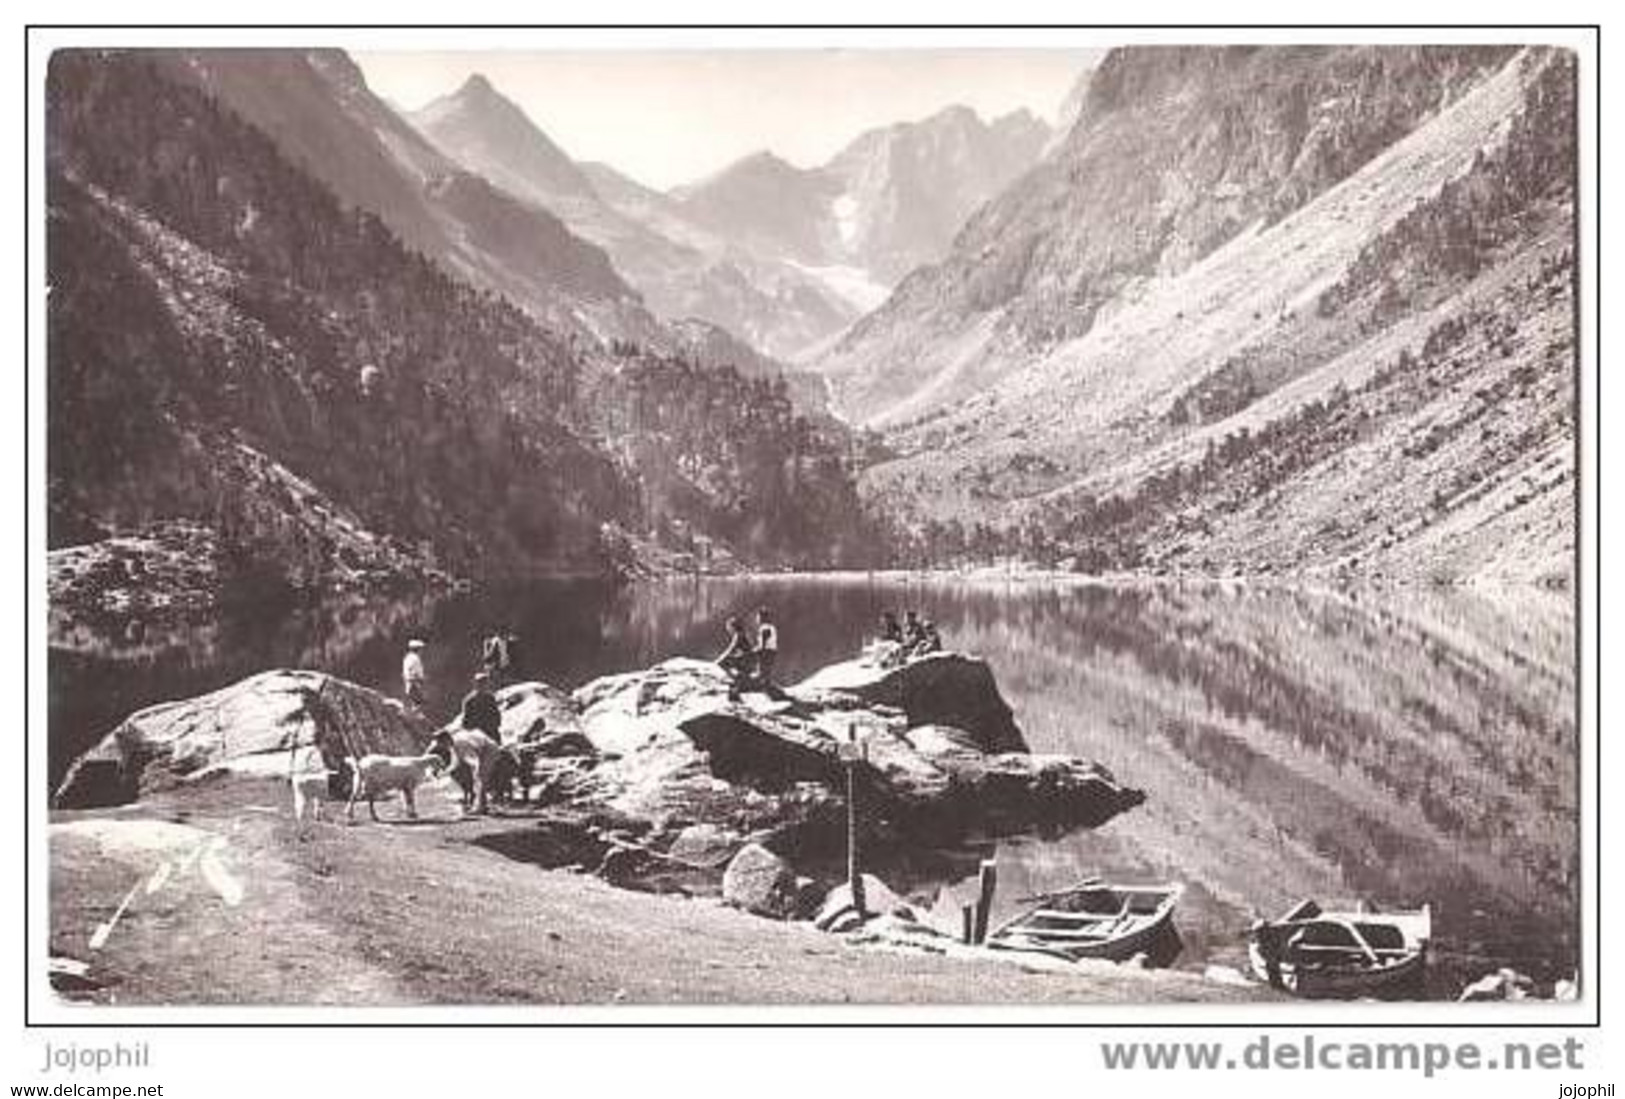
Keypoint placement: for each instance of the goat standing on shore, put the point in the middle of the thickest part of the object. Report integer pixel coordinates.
(313, 783)
(310, 791)
(377, 775)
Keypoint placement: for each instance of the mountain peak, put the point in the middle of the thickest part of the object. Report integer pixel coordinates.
(492, 135)
(956, 112)
(763, 159)
(477, 87)
(475, 97)
(762, 166)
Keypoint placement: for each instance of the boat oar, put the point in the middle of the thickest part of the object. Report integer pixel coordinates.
(1038, 898)
(98, 938)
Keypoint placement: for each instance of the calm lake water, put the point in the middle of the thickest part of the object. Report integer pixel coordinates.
(1399, 747)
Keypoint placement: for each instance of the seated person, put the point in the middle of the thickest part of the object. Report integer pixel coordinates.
(890, 628)
(913, 630)
(738, 659)
(930, 640)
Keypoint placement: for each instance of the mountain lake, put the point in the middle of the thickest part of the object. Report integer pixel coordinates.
(1394, 746)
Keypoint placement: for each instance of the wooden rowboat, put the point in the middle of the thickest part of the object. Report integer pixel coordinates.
(1341, 955)
(1092, 920)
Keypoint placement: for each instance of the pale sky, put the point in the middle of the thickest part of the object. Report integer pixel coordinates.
(672, 116)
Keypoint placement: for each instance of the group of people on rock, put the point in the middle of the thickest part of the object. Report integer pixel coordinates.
(749, 661)
(900, 642)
(749, 658)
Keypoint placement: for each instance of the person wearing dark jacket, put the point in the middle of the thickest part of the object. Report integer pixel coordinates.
(481, 710)
(913, 631)
(890, 628)
(930, 639)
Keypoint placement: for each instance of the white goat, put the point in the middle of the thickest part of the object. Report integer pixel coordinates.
(311, 781)
(377, 775)
(310, 792)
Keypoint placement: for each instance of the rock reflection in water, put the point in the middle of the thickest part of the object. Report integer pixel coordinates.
(1397, 746)
(1401, 748)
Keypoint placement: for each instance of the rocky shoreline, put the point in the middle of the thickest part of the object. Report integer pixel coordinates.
(656, 780)
(651, 782)
(177, 570)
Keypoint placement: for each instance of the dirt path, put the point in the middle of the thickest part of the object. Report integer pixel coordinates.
(419, 914)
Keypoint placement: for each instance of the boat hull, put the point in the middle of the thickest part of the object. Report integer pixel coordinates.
(1325, 983)
(1085, 935)
(1119, 949)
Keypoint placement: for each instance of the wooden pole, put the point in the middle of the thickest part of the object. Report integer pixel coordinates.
(987, 880)
(967, 919)
(854, 863)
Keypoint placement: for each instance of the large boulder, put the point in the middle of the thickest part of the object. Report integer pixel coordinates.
(759, 881)
(706, 845)
(258, 725)
(624, 713)
(936, 786)
(838, 913)
(767, 750)
(945, 688)
(537, 712)
(679, 752)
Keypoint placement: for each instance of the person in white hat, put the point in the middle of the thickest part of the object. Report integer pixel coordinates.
(412, 674)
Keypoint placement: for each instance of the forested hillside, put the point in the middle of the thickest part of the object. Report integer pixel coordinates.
(230, 343)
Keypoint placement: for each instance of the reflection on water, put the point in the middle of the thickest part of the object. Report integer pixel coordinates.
(1396, 747)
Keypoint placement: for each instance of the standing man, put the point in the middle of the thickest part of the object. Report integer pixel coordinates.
(472, 750)
(481, 710)
(515, 669)
(412, 674)
(494, 654)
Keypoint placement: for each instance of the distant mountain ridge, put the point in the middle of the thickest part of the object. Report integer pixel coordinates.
(784, 256)
(890, 200)
(681, 270)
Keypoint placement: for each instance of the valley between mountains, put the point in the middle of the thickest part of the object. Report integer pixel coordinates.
(1230, 311)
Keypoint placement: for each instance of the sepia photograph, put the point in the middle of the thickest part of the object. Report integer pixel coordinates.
(557, 521)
